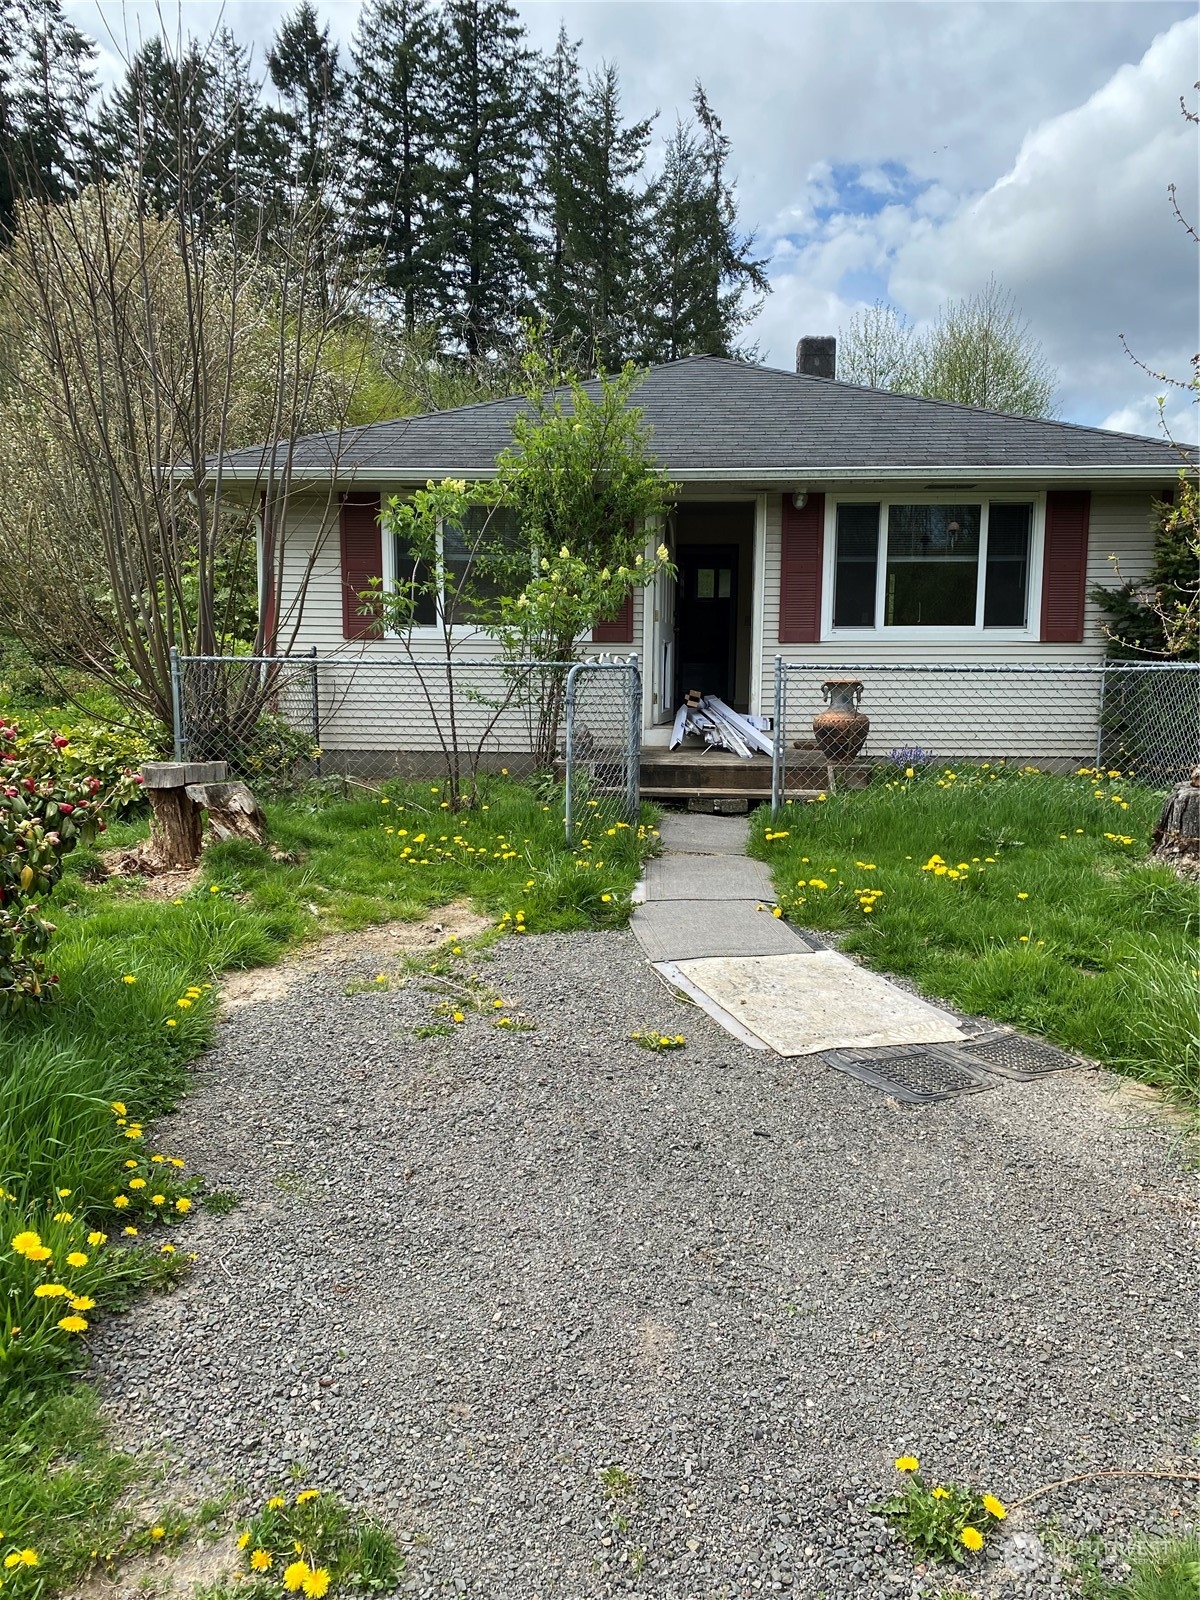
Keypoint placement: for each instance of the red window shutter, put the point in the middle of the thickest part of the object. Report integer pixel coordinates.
(802, 549)
(1064, 565)
(620, 629)
(362, 560)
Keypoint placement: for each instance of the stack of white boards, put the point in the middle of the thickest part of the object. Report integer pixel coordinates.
(721, 728)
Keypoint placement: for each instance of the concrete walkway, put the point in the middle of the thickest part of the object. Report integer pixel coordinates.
(706, 924)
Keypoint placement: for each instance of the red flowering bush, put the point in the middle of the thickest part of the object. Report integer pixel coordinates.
(47, 805)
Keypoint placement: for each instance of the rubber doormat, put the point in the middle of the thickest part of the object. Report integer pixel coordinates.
(912, 1073)
(1014, 1056)
(920, 1074)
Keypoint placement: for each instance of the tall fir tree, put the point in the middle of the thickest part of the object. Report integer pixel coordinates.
(483, 224)
(9, 51)
(246, 148)
(55, 85)
(557, 98)
(305, 72)
(702, 283)
(603, 217)
(395, 51)
(156, 123)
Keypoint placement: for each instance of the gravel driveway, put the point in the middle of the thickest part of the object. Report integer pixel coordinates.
(469, 1273)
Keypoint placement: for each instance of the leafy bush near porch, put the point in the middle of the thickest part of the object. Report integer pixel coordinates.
(1016, 895)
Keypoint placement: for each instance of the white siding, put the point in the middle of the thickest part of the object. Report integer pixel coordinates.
(369, 703)
(1042, 718)
(371, 697)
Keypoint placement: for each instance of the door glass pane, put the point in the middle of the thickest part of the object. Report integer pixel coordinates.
(1006, 582)
(705, 583)
(723, 583)
(857, 557)
(932, 566)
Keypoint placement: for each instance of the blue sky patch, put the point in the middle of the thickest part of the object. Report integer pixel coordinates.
(863, 190)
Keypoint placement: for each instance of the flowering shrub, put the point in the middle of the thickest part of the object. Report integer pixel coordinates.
(102, 750)
(947, 1522)
(48, 803)
(313, 1546)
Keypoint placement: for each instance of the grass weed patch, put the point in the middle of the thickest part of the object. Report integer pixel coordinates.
(1014, 894)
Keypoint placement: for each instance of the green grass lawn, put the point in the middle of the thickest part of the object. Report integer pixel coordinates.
(1013, 894)
(81, 1076)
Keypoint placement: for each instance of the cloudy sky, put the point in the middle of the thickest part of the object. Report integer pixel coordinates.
(904, 151)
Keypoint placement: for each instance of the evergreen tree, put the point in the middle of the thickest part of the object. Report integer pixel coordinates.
(603, 214)
(156, 123)
(557, 104)
(54, 86)
(245, 147)
(304, 69)
(700, 268)
(9, 49)
(395, 52)
(483, 241)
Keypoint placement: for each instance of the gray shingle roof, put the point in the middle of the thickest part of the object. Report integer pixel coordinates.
(719, 419)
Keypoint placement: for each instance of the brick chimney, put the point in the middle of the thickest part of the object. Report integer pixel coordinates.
(817, 357)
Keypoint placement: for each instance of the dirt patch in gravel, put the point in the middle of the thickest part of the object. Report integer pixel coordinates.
(390, 941)
(580, 1321)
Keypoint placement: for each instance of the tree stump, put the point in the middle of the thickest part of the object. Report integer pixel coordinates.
(233, 812)
(1177, 834)
(176, 821)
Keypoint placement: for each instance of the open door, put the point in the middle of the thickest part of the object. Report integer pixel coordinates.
(662, 685)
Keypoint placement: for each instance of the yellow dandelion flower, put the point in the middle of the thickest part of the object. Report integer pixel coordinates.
(994, 1507)
(907, 1463)
(64, 1216)
(276, 1502)
(48, 1291)
(137, 1183)
(23, 1243)
(183, 1205)
(972, 1538)
(158, 1199)
(73, 1324)
(260, 1559)
(130, 1233)
(82, 1302)
(941, 1494)
(317, 1584)
(295, 1574)
(306, 1495)
(158, 1533)
(120, 1201)
(119, 1107)
(243, 1540)
(96, 1238)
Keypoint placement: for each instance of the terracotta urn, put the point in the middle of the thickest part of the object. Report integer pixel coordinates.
(841, 731)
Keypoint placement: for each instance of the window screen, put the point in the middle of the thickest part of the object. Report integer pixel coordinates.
(857, 559)
(1006, 582)
(413, 575)
(932, 566)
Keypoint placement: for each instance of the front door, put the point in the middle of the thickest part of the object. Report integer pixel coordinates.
(706, 620)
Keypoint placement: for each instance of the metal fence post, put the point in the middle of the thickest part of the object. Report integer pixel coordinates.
(1100, 720)
(569, 754)
(316, 707)
(778, 757)
(180, 735)
(633, 753)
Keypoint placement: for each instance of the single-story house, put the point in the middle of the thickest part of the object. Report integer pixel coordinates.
(817, 520)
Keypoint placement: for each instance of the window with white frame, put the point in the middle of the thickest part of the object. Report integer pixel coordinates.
(932, 564)
(464, 582)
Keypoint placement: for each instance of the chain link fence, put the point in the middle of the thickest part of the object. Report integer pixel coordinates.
(282, 721)
(1139, 717)
(603, 748)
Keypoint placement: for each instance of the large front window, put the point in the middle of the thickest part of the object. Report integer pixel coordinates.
(932, 564)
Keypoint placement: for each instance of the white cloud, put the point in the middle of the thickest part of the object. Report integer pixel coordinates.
(1078, 227)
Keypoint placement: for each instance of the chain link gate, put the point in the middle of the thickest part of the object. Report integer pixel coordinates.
(603, 748)
(1142, 718)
